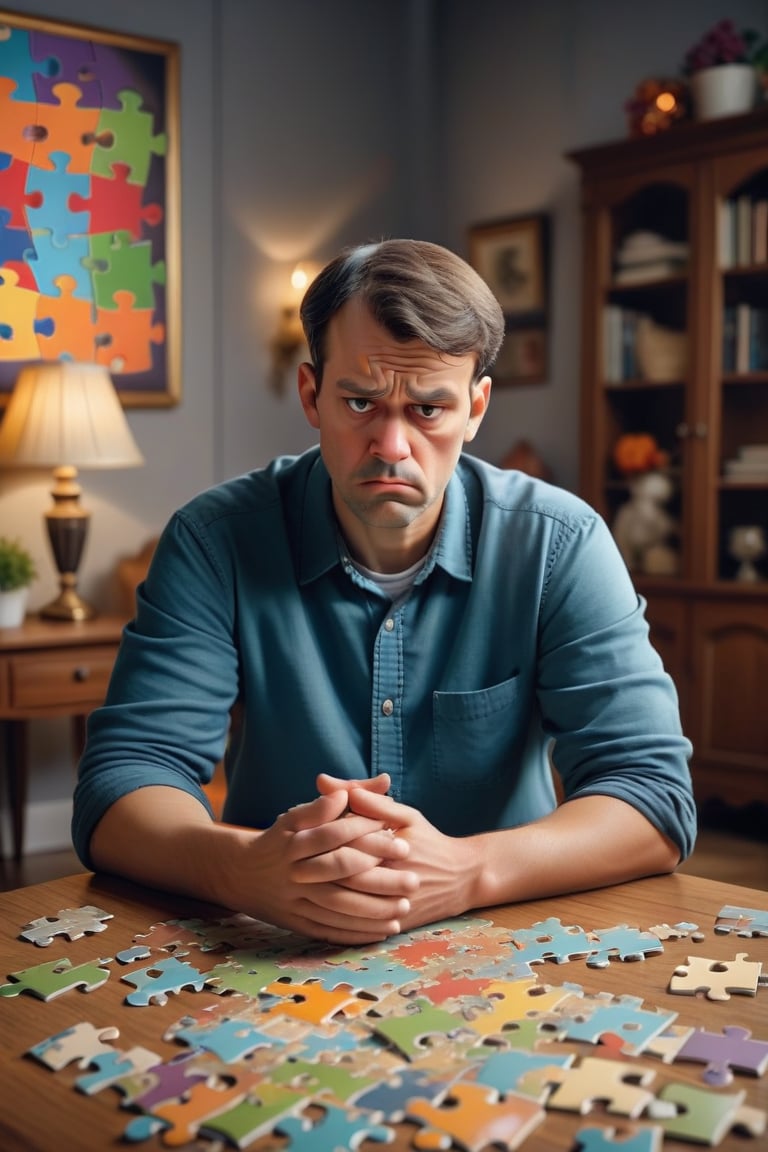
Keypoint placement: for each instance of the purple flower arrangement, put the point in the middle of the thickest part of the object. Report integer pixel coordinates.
(723, 44)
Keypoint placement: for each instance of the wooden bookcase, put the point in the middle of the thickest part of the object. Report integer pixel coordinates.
(698, 186)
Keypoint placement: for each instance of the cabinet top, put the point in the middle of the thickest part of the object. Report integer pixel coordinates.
(693, 140)
(37, 633)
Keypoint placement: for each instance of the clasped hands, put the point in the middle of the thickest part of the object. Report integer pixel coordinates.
(354, 866)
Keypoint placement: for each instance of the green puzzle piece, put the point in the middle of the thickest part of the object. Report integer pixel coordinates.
(706, 1117)
(119, 265)
(421, 1021)
(134, 141)
(56, 976)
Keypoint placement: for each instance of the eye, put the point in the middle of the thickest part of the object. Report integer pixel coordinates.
(358, 404)
(427, 411)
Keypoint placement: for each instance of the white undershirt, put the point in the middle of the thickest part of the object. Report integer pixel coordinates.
(392, 584)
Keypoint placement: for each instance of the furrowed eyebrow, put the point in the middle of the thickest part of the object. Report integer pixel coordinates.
(432, 396)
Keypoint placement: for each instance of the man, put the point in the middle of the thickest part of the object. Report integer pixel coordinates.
(408, 633)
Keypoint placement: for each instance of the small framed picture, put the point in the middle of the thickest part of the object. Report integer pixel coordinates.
(512, 256)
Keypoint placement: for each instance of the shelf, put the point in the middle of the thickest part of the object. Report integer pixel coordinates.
(696, 184)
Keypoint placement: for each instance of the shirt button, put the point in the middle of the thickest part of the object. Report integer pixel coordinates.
(387, 707)
(389, 624)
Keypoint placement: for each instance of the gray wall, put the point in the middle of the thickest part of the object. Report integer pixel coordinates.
(309, 124)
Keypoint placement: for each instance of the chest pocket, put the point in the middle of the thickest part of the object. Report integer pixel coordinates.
(478, 736)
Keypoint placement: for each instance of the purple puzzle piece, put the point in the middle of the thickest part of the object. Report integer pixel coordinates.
(65, 60)
(724, 1051)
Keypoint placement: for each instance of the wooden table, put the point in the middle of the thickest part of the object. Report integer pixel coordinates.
(40, 1110)
(48, 669)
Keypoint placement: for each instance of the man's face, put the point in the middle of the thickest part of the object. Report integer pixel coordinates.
(393, 419)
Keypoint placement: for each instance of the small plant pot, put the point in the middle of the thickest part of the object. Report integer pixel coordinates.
(724, 90)
(13, 606)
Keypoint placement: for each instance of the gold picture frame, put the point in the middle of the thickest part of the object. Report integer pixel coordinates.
(512, 256)
(90, 253)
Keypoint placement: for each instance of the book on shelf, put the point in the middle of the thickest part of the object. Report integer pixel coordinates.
(742, 231)
(729, 338)
(742, 337)
(745, 339)
(619, 344)
(758, 340)
(760, 231)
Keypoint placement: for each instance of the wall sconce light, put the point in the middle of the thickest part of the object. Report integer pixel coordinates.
(289, 336)
(66, 416)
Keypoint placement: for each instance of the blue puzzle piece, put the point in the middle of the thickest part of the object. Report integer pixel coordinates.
(165, 976)
(314, 1044)
(56, 187)
(622, 943)
(502, 1070)
(601, 1140)
(390, 1098)
(110, 1066)
(551, 940)
(337, 1130)
(744, 921)
(50, 260)
(15, 243)
(16, 62)
(230, 1039)
(623, 1018)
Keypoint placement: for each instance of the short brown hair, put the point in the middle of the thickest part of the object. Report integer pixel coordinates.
(416, 291)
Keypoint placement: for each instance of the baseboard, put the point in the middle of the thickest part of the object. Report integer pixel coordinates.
(46, 828)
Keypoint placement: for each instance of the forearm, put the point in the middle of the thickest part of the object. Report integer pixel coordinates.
(163, 837)
(588, 842)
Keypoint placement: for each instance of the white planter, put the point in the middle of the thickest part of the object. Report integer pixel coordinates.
(13, 606)
(724, 90)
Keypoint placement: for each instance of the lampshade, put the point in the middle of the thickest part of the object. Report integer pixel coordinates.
(66, 416)
(66, 413)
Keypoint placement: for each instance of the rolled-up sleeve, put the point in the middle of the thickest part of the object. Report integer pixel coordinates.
(605, 696)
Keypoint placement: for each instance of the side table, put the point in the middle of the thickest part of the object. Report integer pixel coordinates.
(50, 668)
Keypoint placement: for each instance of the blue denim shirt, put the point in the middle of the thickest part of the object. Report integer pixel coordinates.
(522, 637)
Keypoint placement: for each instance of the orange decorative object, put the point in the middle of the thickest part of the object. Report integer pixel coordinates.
(636, 452)
(656, 105)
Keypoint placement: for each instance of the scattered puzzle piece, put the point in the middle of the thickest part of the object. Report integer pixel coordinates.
(47, 981)
(473, 1116)
(622, 1086)
(733, 1048)
(630, 1140)
(152, 984)
(717, 978)
(81, 1043)
(742, 921)
(705, 1116)
(70, 922)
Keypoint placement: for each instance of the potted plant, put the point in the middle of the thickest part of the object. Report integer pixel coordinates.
(17, 571)
(722, 70)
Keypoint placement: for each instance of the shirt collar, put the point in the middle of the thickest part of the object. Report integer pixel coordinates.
(319, 544)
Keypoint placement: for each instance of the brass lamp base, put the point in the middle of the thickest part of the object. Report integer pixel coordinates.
(67, 523)
(68, 605)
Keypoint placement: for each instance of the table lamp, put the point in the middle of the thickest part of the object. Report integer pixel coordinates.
(65, 416)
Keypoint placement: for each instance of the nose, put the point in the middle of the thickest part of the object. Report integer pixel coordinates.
(390, 442)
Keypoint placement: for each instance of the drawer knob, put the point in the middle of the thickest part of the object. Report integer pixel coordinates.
(82, 673)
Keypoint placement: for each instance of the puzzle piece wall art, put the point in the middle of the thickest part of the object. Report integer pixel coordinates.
(88, 213)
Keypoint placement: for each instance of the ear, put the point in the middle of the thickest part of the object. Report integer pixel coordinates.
(308, 393)
(480, 396)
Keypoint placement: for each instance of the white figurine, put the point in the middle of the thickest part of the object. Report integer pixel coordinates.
(643, 527)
